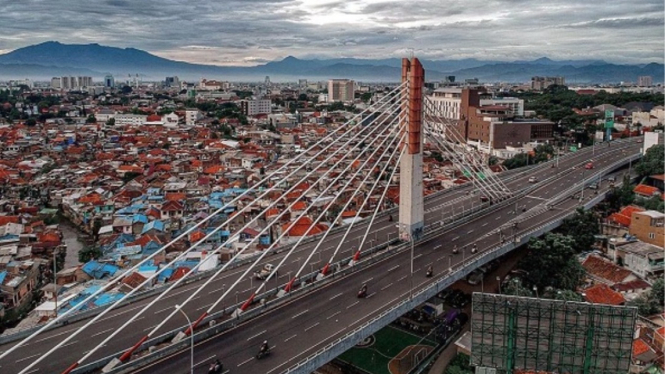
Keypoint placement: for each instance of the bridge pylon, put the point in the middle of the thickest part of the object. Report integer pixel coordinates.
(411, 211)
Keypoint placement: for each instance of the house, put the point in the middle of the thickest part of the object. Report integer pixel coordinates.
(605, 271)
(603, 294)
(172, 210)
(98, 270)
(648, 227)
(641, 258)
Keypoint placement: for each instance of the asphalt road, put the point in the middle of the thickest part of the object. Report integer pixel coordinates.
(276, 322)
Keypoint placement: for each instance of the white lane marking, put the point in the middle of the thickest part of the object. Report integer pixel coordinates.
(417, 256)
(163, 310)
(441, 258)
(311, 327)
(334, 314)
(290, 337)
(393, 268)
(70, 343)
(28, 357)
(370, 295)
(336, 296)
(300, 314)
(484, 224)
(497, 218)
(401, 279)
(249, 289)
(32, 371)
(470, 231)
(176, 294)
(246, 361)
(206, 360)
(204, 307)
(437, 246)
(101, 332)
(352, 305)
(257, 335)
(455, 238)
(386, 286)
(53, 336)
(368, 280)
(150, 328)
(217, 289)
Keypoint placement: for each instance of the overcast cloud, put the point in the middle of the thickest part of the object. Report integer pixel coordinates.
(249, 32)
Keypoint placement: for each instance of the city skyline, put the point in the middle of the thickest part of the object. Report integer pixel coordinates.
(251, 32)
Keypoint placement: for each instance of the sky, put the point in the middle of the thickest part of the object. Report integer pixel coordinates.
(251, 32)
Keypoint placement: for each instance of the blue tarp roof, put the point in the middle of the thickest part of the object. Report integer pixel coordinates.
(148, 267)
(164, 275)
(107, 298)
(98, 270)
(142, 218)
(3, 274)
(156, 224)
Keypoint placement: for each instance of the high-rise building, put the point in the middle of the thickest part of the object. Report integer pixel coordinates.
(172, 82)
(340, 90)
(109, 81)
(255, 106)
(644, 81)
(302, 83)
(84, 81)
(541, 83)
(55, 82)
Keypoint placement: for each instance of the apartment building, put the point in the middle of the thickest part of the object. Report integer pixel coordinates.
(340, 90)
(255, 106)
(541, 83)
(648, 227)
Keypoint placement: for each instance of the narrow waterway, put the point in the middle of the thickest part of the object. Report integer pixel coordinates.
(70, 237)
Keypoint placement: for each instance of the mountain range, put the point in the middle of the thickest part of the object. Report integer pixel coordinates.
(49, 59)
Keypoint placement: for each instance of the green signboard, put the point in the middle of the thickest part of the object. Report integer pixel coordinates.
(573, 148)
(609, 119)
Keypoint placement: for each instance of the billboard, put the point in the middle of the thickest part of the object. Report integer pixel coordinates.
(510, 333)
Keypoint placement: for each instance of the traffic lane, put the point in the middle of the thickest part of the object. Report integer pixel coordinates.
(162, 309)
(380, 279)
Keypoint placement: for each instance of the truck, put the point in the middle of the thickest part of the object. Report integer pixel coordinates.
(265, 272)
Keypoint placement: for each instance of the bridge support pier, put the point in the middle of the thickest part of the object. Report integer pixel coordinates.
(411, 212)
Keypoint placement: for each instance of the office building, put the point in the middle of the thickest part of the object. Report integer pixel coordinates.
(55, 82)
(255, 106)
(172, 82)
(541, 83)
(340, 90)
(644, 81)
(109, 81)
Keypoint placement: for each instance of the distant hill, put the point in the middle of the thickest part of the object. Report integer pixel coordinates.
(45, 60)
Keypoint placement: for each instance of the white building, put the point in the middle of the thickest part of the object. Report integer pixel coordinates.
(645, 81)
(340, 90)
(447, 101)
(191, 116)
(130, 119)
(255, 106)
(170, 120)
(55, 82)
(516, 105)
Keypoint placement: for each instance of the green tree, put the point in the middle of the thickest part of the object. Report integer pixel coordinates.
(646, 306)
(658, 292)
(91, 119)
(583, 227)
(653, 161)
(515, 287)
(568, 295)
(31, 122)
(460, 364)
(110, 122)
(366, 96)
(129, 176)
(303, 97)
(126, 90)
(552, 263)
(89, 253)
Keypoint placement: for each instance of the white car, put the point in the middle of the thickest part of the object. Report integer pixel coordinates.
(533, 180)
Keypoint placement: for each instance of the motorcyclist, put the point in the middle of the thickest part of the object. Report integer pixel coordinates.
(455, 250)
(474, 249)
(218, 367)
(430, 271)
(265, 347)
(390, 218)
(363, 290)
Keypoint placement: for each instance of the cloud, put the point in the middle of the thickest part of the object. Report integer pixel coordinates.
(247, 32)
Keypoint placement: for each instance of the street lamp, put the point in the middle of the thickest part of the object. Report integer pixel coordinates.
(536, 290)
(191, 334)
(55, 282)
(498, 280)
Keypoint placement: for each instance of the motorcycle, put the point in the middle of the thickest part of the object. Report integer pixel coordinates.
(429, 273)
(262, 353)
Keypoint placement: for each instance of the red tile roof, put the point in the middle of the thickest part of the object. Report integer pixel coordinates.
(624, 216)
(302, 225)
(603, 294)
(605, 269)
(8, 219)
(644, 190)
(634, 285)
(639, 347)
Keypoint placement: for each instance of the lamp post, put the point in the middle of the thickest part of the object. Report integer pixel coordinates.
(55, 282)
(582, 194)
(535, 289)
(191, 334)
(498, 280)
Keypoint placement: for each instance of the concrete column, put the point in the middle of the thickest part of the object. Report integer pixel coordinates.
(411, 213)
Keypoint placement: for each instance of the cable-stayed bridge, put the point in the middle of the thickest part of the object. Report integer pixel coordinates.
(306, 307)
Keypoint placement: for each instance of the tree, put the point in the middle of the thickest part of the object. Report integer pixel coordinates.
(583, 227)
(91, 119)
(459, 365)
(31, 122)
(110, 122)
(303, 97)
(568, 295)
(515, 287)
(366, 96)
(129, 176)
(126, 90)
(552, 263)
(653, 161)
(658, 292)
(89, 253)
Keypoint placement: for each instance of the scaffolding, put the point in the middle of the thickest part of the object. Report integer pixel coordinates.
(510, 333)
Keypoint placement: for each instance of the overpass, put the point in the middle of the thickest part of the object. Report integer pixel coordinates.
(299, 319)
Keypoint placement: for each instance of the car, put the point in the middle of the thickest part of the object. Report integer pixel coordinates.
(589, 165)
(265, 272)
(484, 199)
(533, 180)
(475, 277)
(612, 178)
(593, 186)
